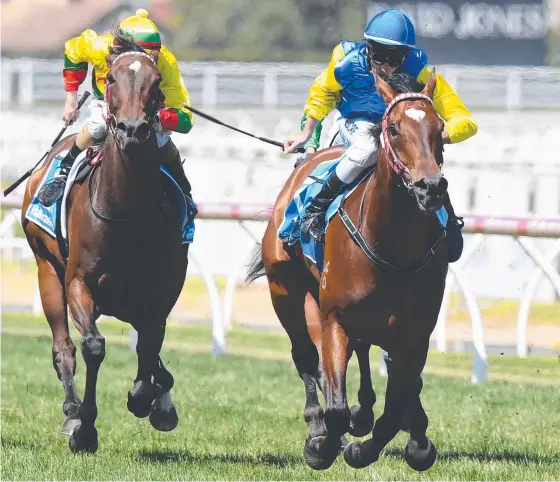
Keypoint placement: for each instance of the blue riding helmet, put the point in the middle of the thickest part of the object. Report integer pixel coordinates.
(391, 27)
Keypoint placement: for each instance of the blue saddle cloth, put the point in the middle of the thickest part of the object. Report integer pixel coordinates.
(46, 218)
(289, 230)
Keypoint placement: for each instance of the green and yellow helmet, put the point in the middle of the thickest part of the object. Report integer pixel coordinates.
(142, 30)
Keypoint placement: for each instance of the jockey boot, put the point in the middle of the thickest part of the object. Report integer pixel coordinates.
(53, 190)
(313, 222)
(171, 159)
(454, 234)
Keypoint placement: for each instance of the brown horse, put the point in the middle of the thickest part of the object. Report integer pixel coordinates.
(381, 285)
(125, 254)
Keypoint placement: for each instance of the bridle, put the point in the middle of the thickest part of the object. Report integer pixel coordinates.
(396, 164)
(111, 119)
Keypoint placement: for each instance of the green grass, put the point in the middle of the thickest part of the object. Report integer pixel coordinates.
(241, 415)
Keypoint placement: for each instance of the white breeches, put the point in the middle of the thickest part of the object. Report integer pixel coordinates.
(360, 148)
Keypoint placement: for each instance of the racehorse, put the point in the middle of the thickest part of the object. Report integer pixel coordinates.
(383, 278)
(125, 256)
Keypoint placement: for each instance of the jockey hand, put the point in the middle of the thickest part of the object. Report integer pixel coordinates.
(70, 112)
(295, 141)
(445, 137)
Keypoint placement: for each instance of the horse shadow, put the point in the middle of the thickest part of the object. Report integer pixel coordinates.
(172, 456)
(481, 456)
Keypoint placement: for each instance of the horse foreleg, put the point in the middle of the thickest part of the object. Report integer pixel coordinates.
(163, 414)
(144, 392)
(63, 349)
(420, 453)
(82, 308)
(336, 353)
(362, 419)
(407, 365)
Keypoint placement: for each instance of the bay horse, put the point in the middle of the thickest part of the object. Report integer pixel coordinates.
(125, 254)
(382, 284)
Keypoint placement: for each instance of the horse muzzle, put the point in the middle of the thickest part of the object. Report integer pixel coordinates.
(133, 132)
(430, 192)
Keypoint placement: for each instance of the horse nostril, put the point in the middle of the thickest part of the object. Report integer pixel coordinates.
(121, 126)
(442, 185)
(421, 185)
(142, 131)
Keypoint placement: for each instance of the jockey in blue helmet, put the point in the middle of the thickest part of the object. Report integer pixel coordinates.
(348, 84)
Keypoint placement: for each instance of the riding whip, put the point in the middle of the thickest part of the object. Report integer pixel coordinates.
(7, 191)
(219, 122)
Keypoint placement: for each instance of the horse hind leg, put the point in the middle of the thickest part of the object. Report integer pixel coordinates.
(63, 349)
(361, 415)
(163, 414)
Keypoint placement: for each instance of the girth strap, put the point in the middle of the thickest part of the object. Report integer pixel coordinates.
(358, 238)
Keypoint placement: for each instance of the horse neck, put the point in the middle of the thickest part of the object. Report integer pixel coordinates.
(128, 182)
(394, 225)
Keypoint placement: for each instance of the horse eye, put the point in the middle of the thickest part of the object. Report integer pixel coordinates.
(110, 79)
(393, 130)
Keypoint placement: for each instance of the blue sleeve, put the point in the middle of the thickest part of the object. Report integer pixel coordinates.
(343, 72)
(415, 62)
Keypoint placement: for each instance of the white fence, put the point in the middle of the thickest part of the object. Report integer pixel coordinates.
(521, 230)
(27, 81)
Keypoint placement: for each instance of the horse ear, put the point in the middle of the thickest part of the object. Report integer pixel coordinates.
(110, 58)
(430, 85)
(386, 91)
(154, 54)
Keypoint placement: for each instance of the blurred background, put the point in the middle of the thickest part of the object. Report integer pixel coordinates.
(251, 63)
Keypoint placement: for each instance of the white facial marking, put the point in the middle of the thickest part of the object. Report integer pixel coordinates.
(135, 65)
(415, 114)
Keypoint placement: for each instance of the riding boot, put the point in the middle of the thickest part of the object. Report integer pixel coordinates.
(171, 159)
(314, 221)
(53, 190)
(454, 234)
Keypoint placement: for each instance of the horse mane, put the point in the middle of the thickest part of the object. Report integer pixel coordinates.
(123, 42)
(403, 83)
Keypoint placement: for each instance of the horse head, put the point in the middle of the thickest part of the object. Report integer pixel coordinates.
(411, 140)
(132, 92)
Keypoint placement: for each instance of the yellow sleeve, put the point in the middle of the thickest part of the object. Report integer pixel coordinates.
(88, 47)
(460, 124)
(173, 87)
(325, 91)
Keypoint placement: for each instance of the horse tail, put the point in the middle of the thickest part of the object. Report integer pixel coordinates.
(256, 266)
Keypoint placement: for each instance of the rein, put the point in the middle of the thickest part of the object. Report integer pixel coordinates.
(402, 171)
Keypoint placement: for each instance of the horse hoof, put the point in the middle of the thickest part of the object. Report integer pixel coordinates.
(70, 425)
(140, 399)
(83, 439)
(420, 459)
(354, 456)
(361, 421)
(164, 420)
(319, 453)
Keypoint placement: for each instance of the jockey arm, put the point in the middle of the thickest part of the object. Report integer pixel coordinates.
(314, 143)
(323, 97)
(325, 91)
(459, 122)
(79, 52)
(174, 116)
